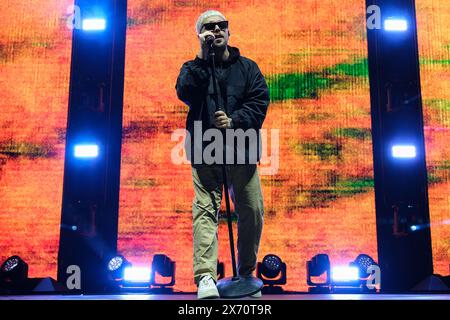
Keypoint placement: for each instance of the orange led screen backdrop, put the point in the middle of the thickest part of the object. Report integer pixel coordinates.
(320, 196)
(35, 51)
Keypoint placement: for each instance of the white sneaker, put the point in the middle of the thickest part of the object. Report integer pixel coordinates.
(207, 288)
(257, 295)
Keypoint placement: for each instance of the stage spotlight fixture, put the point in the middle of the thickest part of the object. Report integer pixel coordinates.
(14, 270)
(316, 267)
(94, 24)
(165, 267)
(116, 267)
(272, 270)
(86, 151)
(404, 151)
(345, 276)
(136, 277)
(345, 279)
(363, 262)
(392, 24)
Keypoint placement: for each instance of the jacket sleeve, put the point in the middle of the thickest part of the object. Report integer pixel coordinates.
(252, 112)
(192, 82)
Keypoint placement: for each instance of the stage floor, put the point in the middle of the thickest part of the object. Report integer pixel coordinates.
(264, 297)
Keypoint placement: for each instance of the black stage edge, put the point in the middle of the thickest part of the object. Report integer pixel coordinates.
(288, 307)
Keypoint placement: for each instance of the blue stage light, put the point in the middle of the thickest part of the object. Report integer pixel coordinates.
(13, 270)
(405, 151)
(395, 24)
(363, 262)
(115, 263)
(86, 151)
(271, 266)
(137, 274)
(94, 24)
(342, 274)
(116, 267)
(272, 270)
(414, 228)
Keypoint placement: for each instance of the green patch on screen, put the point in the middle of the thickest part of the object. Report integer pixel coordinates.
(297, 86)
(323, 150)
(317, 116)
(440, 104)
(444, 165)
(307, 85)
(444, 62)
(46, 45)
(356, 133)
(23, 149)
(358, 68)
(434, 178)
(439, 172)
(273, 182)
(320, 197)
(353, 186)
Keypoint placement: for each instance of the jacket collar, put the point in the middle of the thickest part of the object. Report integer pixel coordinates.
(234, 55)
(232, 58)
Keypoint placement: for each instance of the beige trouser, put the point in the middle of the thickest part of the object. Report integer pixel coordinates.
(245, 192)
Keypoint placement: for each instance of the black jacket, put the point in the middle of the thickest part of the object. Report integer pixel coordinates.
(243, 93)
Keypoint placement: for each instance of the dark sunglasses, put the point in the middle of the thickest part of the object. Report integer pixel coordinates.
(211, 26)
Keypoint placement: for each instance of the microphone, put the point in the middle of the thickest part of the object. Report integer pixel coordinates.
(209, 39)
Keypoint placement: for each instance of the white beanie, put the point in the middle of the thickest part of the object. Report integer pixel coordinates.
(204, 15)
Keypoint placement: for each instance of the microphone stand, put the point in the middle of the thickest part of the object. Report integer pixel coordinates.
(236, 286)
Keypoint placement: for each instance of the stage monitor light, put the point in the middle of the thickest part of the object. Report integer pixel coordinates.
(14, 270)
(404, 151)
(316, 267)
(137, 275)
(116, 267)
(86, 151)
(94, 24)
(165, 267)
(344, 274)
(392, 24)
(272, 270)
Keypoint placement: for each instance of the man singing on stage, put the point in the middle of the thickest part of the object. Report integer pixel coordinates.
(243, 102)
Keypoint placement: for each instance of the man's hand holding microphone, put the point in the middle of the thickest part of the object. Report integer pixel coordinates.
(206, 39)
